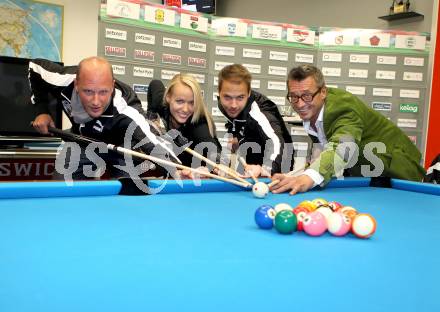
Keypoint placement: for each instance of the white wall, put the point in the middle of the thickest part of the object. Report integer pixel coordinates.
(333, 13)
(80, 33)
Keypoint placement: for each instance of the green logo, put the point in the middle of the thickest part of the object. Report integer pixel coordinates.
(409, 108)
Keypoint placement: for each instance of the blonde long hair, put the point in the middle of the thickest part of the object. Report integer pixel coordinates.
(200, 109)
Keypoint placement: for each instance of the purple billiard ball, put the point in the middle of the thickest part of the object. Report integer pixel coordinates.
(264, 217)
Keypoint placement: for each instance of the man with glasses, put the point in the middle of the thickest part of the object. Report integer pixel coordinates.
(354, 139)
(255, 123)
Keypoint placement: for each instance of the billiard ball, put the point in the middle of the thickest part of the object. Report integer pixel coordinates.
(285, 222)
(308, 205)
(325, 210)
(335, 205)
(319, 202)
(315, 224)
(364, 225)
(264, 217)
(349, 211)
(282, 206)
(260, 189)
(301, 213)
(339, 224)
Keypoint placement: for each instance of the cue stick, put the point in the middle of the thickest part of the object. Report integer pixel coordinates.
(231, 172)
(122, 150)
(243, 162)
(289, 174)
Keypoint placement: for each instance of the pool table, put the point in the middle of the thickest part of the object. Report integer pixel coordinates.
(195, 247)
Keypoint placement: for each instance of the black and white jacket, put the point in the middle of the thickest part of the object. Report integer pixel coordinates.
(124, 111)
(261, 122)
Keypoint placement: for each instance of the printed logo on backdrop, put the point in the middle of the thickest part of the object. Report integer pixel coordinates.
(199, 77)
(304, 58)
(379, 40)
(197, 46)
(381, 106)
(303, 36)
(408, 108)
(123, 9)
(144, 55)
(171, 59)
(159, 15)
(252, 53)
(253, 68)
(410, 42)
(382, 92)
(115, 51)
(143, 72)
(118, 69)
(278, 56)
(411, 94)
(145, 38)
(115, 34)
(407, 123)
(276, 85)
(225, 26)
(168, 74)
(172, 43)
(196, 62)
(140, 88)
(198, 23)
(268, 32)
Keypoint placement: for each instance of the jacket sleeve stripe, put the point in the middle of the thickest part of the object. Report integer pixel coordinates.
(264, 123)
(122, 107)
(53, 78)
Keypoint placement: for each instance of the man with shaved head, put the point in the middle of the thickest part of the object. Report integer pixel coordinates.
(98, 107)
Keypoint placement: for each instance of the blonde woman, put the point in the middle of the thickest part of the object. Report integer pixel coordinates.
(181, 107)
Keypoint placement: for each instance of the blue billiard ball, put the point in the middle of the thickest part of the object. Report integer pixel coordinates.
(264, 216)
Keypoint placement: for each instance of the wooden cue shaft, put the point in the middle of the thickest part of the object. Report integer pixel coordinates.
(243, 162)
(123, 150)
(228, 171)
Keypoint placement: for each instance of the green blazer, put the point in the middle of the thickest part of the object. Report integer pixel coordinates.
(383, 149)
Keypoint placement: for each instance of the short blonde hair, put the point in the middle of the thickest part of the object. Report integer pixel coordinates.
(200, 109)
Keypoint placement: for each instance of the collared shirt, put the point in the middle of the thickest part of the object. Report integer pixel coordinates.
(320, 134)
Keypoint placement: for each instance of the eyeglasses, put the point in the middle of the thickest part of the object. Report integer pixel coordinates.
(306, 97)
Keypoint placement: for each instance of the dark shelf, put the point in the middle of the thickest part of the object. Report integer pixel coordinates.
(398, 16)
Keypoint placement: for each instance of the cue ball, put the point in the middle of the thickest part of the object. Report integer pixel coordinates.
(260, 189)
(363, 226)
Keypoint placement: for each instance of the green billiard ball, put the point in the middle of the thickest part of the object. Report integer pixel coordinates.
(285, 222)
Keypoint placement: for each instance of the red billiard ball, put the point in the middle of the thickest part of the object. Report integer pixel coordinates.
(300, 213)
(315, 223)
(335, 205)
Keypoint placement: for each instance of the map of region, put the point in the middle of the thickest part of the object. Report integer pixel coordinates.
(31, 29)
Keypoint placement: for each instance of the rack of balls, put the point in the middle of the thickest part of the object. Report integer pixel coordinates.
(315, 217)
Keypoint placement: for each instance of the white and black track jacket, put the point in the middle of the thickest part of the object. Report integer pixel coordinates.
(125, 108)
(261, 122)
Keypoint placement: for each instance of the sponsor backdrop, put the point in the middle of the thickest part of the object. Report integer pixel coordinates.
(385, 68)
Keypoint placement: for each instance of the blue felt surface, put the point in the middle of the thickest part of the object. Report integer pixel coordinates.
(58, 189)
(203, 252)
